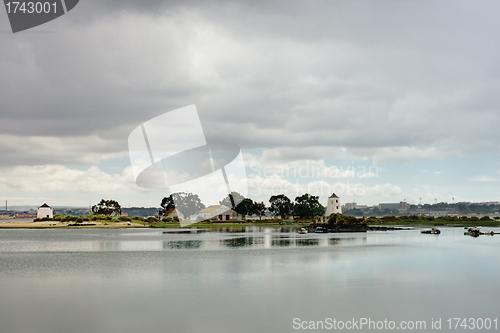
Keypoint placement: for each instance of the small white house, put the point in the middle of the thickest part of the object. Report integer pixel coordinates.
(174, 213)
(333, 205)
(45, 211)
(219, 212)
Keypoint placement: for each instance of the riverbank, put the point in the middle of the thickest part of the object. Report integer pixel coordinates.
(123, 225)
(345, 221)
(61, 225)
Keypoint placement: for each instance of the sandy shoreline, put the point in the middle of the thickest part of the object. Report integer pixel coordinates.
(56, 224)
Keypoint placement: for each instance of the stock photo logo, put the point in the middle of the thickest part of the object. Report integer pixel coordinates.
(25, 15)
(170, 153)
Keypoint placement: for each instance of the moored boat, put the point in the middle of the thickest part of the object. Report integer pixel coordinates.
(434, 231)
(303, 230)
(321, 230)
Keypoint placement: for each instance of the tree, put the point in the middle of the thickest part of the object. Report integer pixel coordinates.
(166, 204)
(306, 205)
(260, 209)
(186, 203)
(245, 207)
(232, 200)
(280, 204)
(107, 207)
(320, 210)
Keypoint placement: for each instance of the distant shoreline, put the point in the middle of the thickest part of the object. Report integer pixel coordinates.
(133, 225)
(67, 225)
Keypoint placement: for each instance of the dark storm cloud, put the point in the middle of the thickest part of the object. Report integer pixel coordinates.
(369, 76)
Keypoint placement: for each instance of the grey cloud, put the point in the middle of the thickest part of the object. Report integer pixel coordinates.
(369, 76)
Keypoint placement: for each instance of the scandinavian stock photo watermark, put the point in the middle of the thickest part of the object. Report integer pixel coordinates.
(388, 325)
(170, 153)
(310, 177)
(24, 15)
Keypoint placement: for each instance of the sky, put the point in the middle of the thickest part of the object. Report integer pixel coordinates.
(377, 101)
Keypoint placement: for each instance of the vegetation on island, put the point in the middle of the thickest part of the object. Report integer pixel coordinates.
(303, 210)
(107, 208)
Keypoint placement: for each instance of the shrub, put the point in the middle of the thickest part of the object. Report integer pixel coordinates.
(152, 219)
(389, 219)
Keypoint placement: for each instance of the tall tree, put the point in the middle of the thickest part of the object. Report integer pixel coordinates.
(320, 210)
(107, 207)
(280, 204)
(260, 209)
(245, 207)
(186, 203)
(306, 205)
(166, 204)
(232, 200)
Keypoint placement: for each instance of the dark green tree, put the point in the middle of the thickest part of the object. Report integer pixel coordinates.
(320, 210)
(186, 203)
(306, 205)
(166, 204)
(260, 209)
(245, 207)
(107, 207)
(281, 205)
(232, 200)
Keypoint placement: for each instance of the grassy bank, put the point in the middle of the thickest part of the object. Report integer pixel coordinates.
(455, 221)
(96, 221)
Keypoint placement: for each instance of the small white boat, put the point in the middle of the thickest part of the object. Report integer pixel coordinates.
(434, 231)
(303, 231)
(474, 231)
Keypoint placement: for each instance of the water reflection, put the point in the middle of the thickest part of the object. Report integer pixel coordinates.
(257, 242)
(238, 242)
(223, 238)
(186, 286)
(170, 240)
(178, 245)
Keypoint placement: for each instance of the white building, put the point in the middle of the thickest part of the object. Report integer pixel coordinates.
(219, 212)
(333, 205)
(173, 213)
(45, 211)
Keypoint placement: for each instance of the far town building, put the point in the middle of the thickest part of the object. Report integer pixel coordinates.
(333, 205)
(45, 211)
(349, 206)
(401, 206)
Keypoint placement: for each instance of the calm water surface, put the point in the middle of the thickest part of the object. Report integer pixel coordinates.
(239, 280)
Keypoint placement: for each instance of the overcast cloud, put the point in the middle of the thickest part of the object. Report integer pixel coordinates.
(386, 81)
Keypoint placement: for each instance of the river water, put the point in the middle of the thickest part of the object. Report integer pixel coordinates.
(242, 280)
